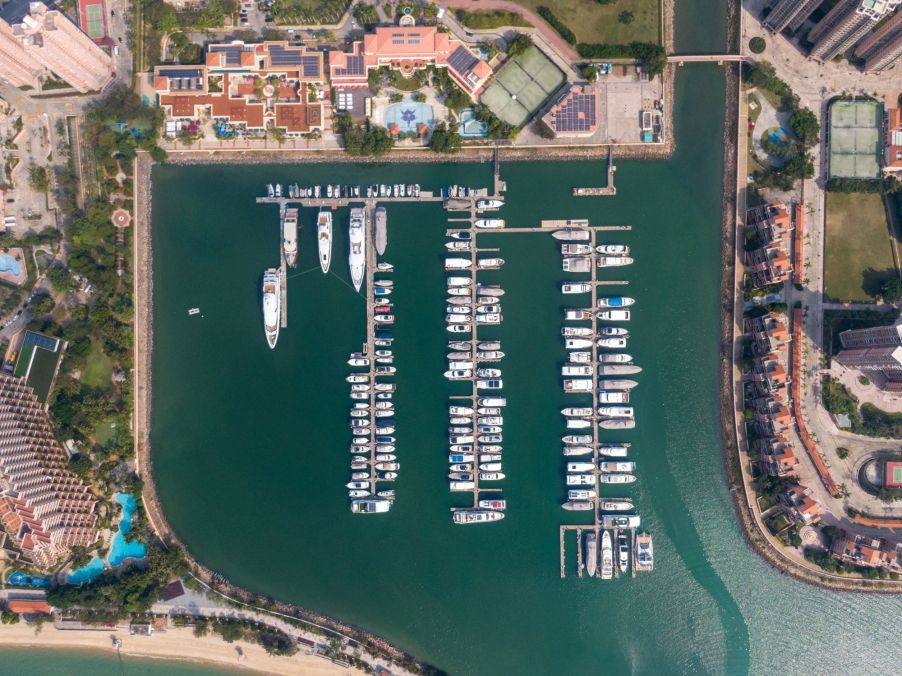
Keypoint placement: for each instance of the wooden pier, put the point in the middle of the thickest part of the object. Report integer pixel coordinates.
(610, 189)
(283, 289)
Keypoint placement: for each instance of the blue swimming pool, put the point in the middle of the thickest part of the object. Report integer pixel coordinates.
(9, 264)
(470, 126)
(20, 579)
(120, 550)
(409, 115)
(779, 135)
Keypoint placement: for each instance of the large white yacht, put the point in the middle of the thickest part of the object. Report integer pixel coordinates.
(290, 236)
(324, 239)
(357, 257)
(272, 305)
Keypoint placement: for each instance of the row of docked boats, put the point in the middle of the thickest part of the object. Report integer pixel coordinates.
(476, 420)
(462, 191)
(338, 191)
(596, 363)
(374, 461)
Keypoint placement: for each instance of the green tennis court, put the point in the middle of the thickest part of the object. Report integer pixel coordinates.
(897, 474)
(94, 16)
(854, 138)
(522, 86)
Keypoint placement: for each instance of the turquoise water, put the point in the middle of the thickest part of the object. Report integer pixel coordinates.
(120, 550)
(9, 264)
(471, 127)
(408, 114)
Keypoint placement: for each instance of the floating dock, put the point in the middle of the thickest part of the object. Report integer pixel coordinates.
(610, 189)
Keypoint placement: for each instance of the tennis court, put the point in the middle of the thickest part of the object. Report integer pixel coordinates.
(522, 86)
(92, 18)
(855, 139)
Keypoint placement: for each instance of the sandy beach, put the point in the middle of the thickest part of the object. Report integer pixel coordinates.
(174, 644)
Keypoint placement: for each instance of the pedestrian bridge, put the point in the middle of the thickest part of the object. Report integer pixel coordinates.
(701, 58)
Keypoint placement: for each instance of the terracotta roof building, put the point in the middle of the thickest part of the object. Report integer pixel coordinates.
(770, 228)
(800, 506)
(864, 551)
(28, 606)
(408, 49)
(60, 46)
(892, 155)
(44, 507)
(254, 86)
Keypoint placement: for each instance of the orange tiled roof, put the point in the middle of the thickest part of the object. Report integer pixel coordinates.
(28, 606)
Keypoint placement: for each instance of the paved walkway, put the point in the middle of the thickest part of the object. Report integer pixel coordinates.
(549, 35)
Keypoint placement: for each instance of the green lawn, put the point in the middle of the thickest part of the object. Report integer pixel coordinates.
(98, 368)
(593, 22)
(490, 18)
(858, 247)
(104, 431)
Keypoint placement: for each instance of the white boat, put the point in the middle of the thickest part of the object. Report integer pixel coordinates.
(615, 358)
(496, 503)
(576, 249)
(580, 358)
(617, 504)
(572, 235)
(278, 189)
(488, 373)
(618, 369)
(324, 239)
(485, 204)
(491, 476)
(459, 281)
(468, 516)
(194, 311)
(612, 261)
(489, 263)
(616, 478)
(384, 267)
(585, 479)
(621, 521)
(489, 355)
(380, 230)
(577, 287)
(488, 223)
(612, 343)
(572, 315)
(614, 396)
(580, 467)
(576, 411)
(577, 343)
(613, 331)
(617, 384)
(576, 451)
(270, 190)
(458, 246)
(358, 493)
(577, 438)
(578, 506)
(578, 424)
(613, 450)
(458, 328)
(578, 385)
(613, 249)
(290, 236)
(607, 557)
(644, 552)
(460, 410)
(459, 374)
(576, 264)
(490, 384)
(577, 332)
(491, 401)
(490, 466)
(489, 290)
(591, 553)
(616, 301)
(458, 263)
(461, 485)
(272, 305)
(581, 493)
(358, 361)
(614, 315)
(615, 411)
(617, 466)
(357, 256)
(489, 318)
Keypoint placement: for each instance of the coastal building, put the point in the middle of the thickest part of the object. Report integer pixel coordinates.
(799, 506)
(877, 350)
(17, 66)
(44, 507)
(883, 47)
(768, 333)
(775, 455)
(247, 87)
(408, 49)
(865, 551)
(50, 39)
(769, 232)
(892, 154)
(789, 14)
(847, 23)
(577, 113)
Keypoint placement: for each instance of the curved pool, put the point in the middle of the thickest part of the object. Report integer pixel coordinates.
(9, 264)
(120, 550)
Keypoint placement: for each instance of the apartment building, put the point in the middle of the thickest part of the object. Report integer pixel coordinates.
(847, 23)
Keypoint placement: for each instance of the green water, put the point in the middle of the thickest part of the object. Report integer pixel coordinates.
(250, 445)
(32, 662)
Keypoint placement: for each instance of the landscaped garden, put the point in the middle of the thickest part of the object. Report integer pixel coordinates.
(610, 23)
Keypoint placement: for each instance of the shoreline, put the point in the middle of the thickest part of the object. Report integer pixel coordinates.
(174, 644)
(744, 507)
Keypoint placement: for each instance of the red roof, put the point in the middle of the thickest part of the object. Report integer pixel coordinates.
(27, 606)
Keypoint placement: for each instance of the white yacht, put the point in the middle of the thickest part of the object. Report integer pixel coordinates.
(370, 506)
(290, 236)
(577, 287)
(324, 239)
(272, 305)
(607, 557)
(466, 516)
(487, 223)
(357, 257)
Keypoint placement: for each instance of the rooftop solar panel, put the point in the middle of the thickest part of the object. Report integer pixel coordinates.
(40, 340)
(462, 60)
(577, 113)
(284, 57)
(180, 72)
(310, 66)
(355, 66)
(232, 53)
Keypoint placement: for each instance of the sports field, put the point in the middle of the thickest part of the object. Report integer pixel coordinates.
(91, 18)
(858, 247)
(522, 86)
(854, 139)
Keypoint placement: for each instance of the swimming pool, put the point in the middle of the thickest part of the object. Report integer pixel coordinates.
(779, 135)
(9, 264)
(120, 550)
(409, 115)
(470, 126)
(20, 579)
